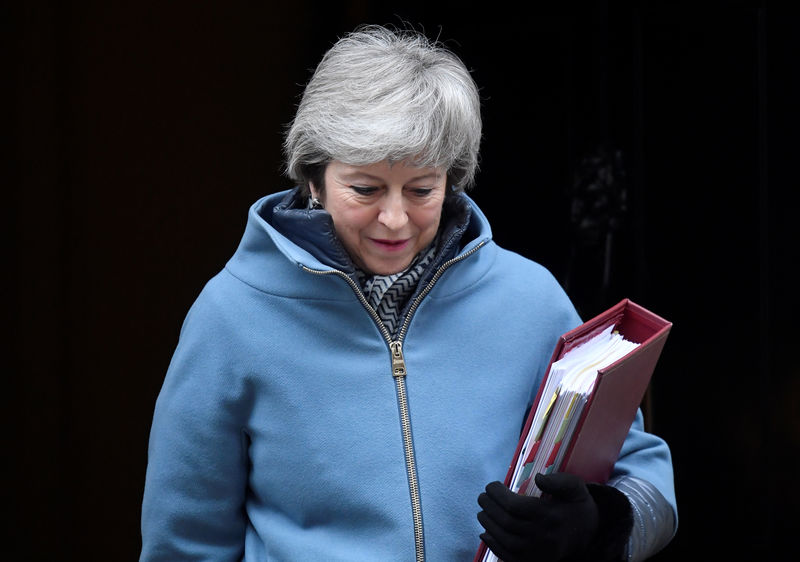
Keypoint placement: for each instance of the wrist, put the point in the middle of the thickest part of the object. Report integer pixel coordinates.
(615, 521)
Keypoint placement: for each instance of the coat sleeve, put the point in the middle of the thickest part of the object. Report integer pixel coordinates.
(643, 473)
(193, 505)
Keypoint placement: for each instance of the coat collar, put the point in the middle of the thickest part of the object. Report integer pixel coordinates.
(261, 258)
(313, 229)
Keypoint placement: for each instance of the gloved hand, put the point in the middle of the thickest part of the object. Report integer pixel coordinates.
(560, 525)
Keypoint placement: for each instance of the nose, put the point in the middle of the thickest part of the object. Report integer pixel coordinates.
(393, 212)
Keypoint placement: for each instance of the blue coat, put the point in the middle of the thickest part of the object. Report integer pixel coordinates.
(277, 434)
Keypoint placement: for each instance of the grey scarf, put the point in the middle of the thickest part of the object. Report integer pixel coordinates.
(388, 294)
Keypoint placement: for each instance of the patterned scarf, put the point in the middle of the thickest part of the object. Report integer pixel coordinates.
(312, 229)
(388, 294)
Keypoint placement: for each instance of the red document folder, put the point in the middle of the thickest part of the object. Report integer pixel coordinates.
(618, 392)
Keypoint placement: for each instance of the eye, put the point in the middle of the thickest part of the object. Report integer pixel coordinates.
(364, 189)
(421, 191)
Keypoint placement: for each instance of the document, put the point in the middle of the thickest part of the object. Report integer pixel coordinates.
(588, 399)
(569, 384)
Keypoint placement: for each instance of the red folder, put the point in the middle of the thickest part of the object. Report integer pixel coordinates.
(618, 392)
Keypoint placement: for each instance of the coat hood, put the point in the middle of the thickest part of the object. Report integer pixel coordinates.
(263, 254)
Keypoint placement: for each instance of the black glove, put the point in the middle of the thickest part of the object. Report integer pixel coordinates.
(571, 521)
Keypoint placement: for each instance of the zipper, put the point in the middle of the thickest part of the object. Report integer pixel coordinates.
(398, 364)
(439, 272)
(399, 374)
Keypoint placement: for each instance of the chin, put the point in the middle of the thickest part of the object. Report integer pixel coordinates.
(388, 269)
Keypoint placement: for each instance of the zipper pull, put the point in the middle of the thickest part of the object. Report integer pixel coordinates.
(398, 361)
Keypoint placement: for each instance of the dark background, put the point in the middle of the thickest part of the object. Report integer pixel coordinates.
(137, 137)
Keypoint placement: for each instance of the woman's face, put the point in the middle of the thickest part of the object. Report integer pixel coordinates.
(383, 214)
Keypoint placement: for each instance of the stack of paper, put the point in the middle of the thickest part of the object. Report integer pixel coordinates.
(567, 390)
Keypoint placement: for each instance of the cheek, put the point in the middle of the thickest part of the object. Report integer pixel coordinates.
(428, 219)
(351, 220)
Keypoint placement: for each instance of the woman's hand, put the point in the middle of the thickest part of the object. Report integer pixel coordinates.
(560, 525)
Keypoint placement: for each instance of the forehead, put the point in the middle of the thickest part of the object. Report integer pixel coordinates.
(384, 170)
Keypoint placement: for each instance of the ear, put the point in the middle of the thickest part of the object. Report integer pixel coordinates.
(313, 200)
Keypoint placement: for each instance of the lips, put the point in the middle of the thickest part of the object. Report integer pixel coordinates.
(390, 245)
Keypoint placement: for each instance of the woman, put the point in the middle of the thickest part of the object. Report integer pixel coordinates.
(358, 372)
